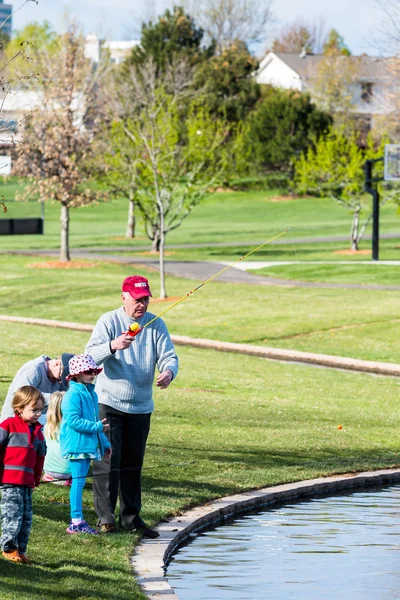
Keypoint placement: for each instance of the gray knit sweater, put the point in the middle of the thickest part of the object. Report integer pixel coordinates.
(127, 377)
(33, 373)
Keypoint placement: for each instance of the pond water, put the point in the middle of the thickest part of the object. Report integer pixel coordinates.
(341, 547)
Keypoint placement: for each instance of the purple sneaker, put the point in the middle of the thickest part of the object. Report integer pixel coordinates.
(83, 527)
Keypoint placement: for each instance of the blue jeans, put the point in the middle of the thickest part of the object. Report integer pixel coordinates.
(16, 517)
(79, 470)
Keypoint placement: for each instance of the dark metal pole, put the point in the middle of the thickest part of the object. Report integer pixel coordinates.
(375, 224)
(368, 186)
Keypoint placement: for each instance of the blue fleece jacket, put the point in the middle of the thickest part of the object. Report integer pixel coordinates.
(81, 431)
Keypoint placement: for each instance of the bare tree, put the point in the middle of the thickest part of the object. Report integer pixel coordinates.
(388, 30)
(229, 20)
(333, 87)
(116, 162)
(57, 147)
(146, 12)
(299, 36)
(172, 174)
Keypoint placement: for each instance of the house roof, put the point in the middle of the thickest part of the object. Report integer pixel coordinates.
(370, 68)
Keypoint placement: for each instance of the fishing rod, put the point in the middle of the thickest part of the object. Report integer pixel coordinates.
(135, 328)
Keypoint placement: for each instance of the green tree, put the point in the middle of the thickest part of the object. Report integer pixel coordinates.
(283, 124)
(174, 34)
(34, 38)
(227, 82)
(334, 168)
(335, 45)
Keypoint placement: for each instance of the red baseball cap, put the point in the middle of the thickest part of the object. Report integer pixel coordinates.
(137, 286)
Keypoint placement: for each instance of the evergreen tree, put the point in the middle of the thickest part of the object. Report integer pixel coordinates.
(174, 34)
(335, 45)
(283, 124)
(227, 82)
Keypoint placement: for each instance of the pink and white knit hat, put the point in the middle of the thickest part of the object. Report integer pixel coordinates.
(80, 363)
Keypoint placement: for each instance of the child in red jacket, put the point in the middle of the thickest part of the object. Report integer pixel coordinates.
(22, 452)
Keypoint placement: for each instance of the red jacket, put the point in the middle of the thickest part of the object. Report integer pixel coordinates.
(21, 452)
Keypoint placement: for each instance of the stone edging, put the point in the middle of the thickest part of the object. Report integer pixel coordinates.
(151, 556)
(323, 360)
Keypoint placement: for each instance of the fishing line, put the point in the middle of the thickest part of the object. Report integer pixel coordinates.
(318, 344)
(136, 329)
(298, 265)
(60, 479)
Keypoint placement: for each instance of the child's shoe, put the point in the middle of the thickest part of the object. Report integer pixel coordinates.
(83, 527)
(46, 478)
(25, 559)
(12, 555)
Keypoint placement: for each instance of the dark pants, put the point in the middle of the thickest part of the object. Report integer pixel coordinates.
(121, 475)
(16, 517)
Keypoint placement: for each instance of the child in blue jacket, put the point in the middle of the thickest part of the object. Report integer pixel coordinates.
(82, 436)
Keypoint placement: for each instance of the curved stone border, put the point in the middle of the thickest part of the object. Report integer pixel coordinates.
(151, 556)
(321, 360)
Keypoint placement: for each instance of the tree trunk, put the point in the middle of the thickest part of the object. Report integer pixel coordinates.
(130, 228)
(354, 229)
(64, 247)
(156, 243)
(163, 289)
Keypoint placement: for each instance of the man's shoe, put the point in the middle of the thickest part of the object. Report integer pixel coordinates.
(147, 532)
(25, 559)
(108, 528)
(142, 528)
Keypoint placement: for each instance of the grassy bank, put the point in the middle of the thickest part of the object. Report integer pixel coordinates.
(227, 424)
(361, 274)
(357, 323)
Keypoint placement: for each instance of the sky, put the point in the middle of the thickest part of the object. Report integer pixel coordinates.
(356, 20)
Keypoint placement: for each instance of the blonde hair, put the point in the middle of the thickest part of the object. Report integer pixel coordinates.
(54, 415)
(25, 396)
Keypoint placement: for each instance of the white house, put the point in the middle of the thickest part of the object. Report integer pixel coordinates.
(298, 72)
(119, 50)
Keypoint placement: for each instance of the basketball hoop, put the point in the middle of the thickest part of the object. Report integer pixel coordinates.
(392, 162)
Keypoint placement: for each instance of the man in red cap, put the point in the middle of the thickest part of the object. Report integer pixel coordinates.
(124, 388)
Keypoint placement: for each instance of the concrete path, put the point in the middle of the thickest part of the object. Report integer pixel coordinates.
(203, 270)
(253, 265)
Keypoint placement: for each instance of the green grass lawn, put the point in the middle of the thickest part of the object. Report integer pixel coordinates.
(350, 322)
(222, 217)
(228, 423)
(362, 274)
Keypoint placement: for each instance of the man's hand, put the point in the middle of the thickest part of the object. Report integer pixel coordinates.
(108, 453)
(122, 342)
(164, 379)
